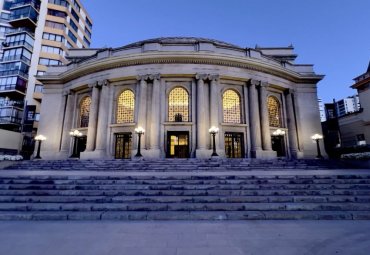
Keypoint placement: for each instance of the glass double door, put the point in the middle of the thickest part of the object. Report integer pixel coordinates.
(123, 145)
(278, 145)
(177, 144)
(234, 145)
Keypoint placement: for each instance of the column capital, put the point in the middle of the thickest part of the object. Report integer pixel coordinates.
(254, 82)
(156, 76)
(142, 77)
(289, 91)
(201, 76)
(214, 77)
(102, 83)
(264, 84)
(67, 92)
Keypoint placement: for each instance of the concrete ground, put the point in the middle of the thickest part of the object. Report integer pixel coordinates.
(180, 238)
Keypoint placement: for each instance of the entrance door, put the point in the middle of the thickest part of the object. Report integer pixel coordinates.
(81, 144)
(123, 146)
(234, 145)
(278, 145)
(177, 144)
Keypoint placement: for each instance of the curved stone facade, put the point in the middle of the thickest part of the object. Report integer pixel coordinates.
(176, 89)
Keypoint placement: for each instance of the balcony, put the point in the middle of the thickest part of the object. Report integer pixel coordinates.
(24, 3)
(24, 17)
(13, 31)
(13, 91)
(16, 58)
(10, 116)
(18, 43)
(14, 72)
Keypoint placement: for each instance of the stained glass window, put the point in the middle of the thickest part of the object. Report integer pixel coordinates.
(231, 107)
(273, 106)
(178, 105)
(126, 107)
(85, 111)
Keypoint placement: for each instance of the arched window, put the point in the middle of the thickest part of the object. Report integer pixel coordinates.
(178, 105)
(273, 106)
(231, 107)
(85, 111)
(126, 107)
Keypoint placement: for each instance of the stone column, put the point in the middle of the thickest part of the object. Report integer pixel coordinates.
(254, 115)
(155, 123)
(292, 128)
(93, 118)
(214, 106)
(67, 125)
(142, 104)
(265, 125)
(102, 128)
(201, 128)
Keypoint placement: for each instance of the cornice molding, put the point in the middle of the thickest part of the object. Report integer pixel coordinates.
(210, 59)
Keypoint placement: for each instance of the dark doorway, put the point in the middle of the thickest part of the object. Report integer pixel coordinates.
(81, 144)
(123, 146)
(278, 145)
(177, 144)
(234, 145)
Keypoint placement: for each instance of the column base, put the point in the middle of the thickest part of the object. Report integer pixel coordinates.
(152, 154)
(51, 155)
(261, 154)
(97, 154)
(297, 154)
(203, 153)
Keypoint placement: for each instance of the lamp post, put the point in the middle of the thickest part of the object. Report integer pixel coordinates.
(139, 131)
(317, 138)
(39, 138)
(213, 131)
(75, 134)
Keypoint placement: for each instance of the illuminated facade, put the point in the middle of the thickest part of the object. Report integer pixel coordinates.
(176, 89)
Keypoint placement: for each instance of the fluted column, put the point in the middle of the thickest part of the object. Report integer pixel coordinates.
(67, 125)
(102, 128)
(265, 125)
(155, 123)
(201, 116)
(93, 117)
(292, 129)
(254, 117)
(142, 104)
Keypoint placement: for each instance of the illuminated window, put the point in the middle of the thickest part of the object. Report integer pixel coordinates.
(126, 107)
(85, 111)
(231, 107)
(273, 106)
(178, 105)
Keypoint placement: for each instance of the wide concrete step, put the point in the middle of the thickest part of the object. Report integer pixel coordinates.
(189, 215)
(268, 192)
(183, 199)
(185, 187)
(183, 181)
(203, 207)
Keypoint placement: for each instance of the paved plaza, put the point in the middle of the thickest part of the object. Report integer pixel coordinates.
(180, 238)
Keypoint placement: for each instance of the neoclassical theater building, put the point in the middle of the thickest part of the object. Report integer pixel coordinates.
(176, 89)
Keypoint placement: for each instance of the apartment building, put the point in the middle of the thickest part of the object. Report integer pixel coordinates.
(36, 34)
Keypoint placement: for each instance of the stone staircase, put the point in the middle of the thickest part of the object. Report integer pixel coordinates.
(178, 165)
(181, 190)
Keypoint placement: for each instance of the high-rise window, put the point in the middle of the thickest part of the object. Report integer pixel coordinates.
(73, 25)
(231, 107)
(55, 25)
(178, 105)
(126, 107)
(273, 106)
(53, 37)
(85, 111)
(72, 36)
(57, 13)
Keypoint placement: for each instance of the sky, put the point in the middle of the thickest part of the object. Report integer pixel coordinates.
(334, 35)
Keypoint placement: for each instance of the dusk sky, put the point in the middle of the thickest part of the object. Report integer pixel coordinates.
(334, 35)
